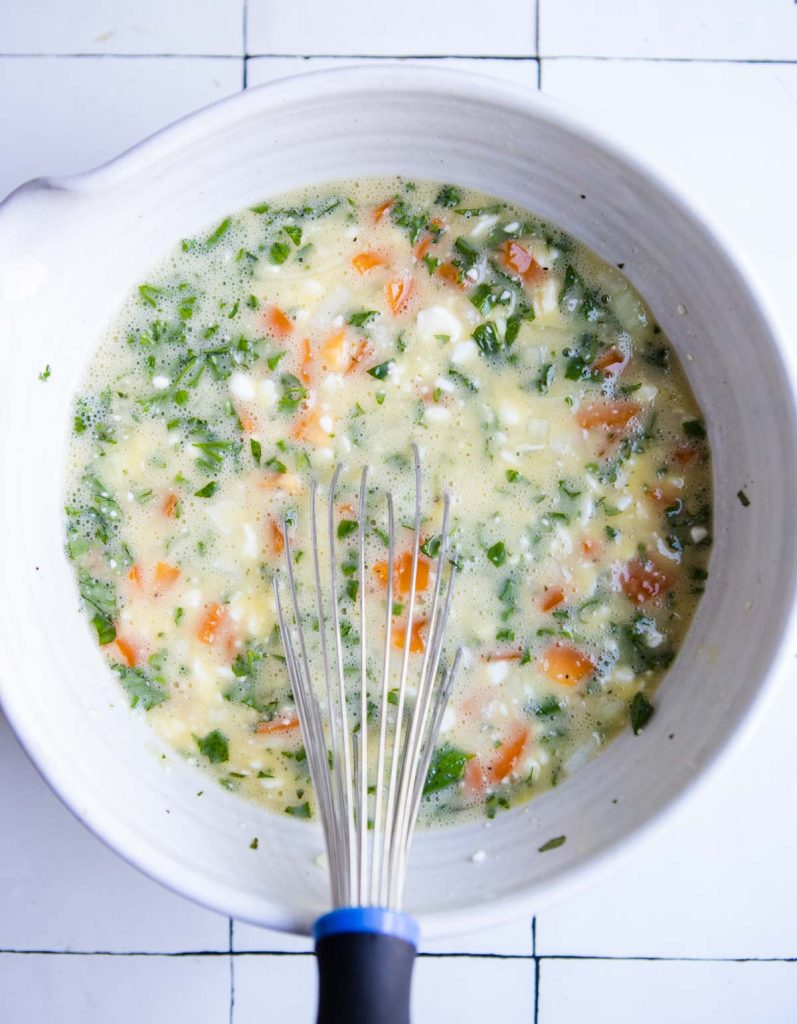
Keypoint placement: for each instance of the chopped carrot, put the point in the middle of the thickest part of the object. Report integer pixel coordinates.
(309, 428)
(365, 261)
(606, 414)
(276, 322)
(565, 665)
(166, 574)
(590, 546)
(288, 482)
(248, 423)
(422, 247)
(507, 755)
(382, 209)
(503, 656)
(611, 363)
(474, 777)
(518, 260)
(360, 351)
(334, 352)
(402, 574)
(277, 538)
(282, 723)
(128, 652)
(551, 599)
(307, 361)
(645, 581)
(397, 293)
(134, 575)
(169, 506)
(417, 643)
(684, 454)
(211, 623)
(449, 273)
(403, 570)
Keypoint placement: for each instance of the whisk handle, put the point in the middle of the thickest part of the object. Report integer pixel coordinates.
(365, 957)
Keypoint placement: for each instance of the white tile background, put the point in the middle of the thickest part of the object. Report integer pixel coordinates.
(702, 924)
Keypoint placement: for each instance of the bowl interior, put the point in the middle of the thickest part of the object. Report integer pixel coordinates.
(70, 251)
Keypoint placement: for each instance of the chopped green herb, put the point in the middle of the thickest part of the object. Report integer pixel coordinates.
(447, 767)
(553, 844)
(208, 490)
(641, 712)
(214, 747)
(381, 371)
(497, 553)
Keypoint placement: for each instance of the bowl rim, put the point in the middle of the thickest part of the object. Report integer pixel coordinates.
(417, 78)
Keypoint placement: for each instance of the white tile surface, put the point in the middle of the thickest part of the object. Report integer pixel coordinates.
(265, 69)
(717, 29)
(59, 115)
(415, 27)
(280, 989)
(61, 889)
(605, 992)
(472, 989)
(444, 989)
(42, 989)
(123, 26)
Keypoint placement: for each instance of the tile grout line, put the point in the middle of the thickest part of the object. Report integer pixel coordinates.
(539, 957)
(765, 61)
(245, 42)
(230, 938)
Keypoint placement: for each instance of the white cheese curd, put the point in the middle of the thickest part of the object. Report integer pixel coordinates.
(340, 325)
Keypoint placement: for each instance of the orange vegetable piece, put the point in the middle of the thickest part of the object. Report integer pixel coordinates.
(288, 482)
(365, 261)
(128, 652)
(645, 581)
(611, 363)
(397, 293)
(307, 361)
(606, 414)
(449, 273)
(402, 574)
(248, 423)
(417, 643)
(360, 351)
(565, 665)
(551, 599)
(334, 352)
(590, 546)
(169, 505)
(211, 623)
(507, 756)
(134, 575)
(276, 322)
(308, 428)
(474, 776)
(282, 723)
(422, 248)
(503, 656)
(520, 261)
(166, 574)
(277, 538)
(684, 454)
(382, 209)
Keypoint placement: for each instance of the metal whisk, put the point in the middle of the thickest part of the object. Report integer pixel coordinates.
(366, 946)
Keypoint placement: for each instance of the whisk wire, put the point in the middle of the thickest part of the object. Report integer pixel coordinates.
(369, 870)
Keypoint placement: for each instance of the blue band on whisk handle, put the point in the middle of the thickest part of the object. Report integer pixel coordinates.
(378, 920)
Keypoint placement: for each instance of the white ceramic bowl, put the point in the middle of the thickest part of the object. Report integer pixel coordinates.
(71, 249)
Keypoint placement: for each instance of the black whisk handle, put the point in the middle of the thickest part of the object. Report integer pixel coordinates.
(365, 957)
